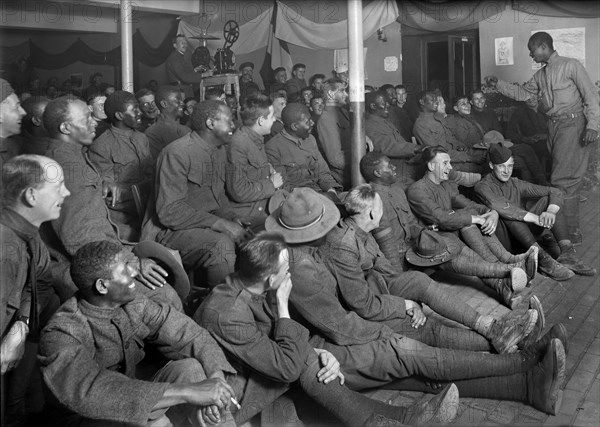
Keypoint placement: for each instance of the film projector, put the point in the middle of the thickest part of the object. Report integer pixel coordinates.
(224, 59)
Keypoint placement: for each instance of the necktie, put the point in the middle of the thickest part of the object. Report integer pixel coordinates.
(34, 320)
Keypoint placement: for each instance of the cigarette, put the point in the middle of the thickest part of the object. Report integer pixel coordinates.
(235, 402)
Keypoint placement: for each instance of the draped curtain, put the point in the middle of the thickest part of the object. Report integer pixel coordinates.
(80, 51)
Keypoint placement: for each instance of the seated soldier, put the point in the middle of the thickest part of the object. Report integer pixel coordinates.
(371, 354)
(462, 124)
(386, 138)
(33, 135)
(249, 316)
(333, 129)
(11, 114)
(279, 100)
(123, 158)
(399, 115)
(279, 77)
(507, 195)
(295, 83)
(167, 127)
(33, 190)
(371, 286)
(85, 217)
(251, 180)
(294, 153)
(95, 103)
(436, 201)
(191, 204)
(145, 98)
(90, 349)
(432, 129)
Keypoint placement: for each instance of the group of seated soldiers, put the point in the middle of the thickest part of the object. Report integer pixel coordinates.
(310, 286)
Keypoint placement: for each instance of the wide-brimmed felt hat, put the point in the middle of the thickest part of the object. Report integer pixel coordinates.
(495, 137)
(304, 216)
(431, 249)
(277, 199)
(170, 261)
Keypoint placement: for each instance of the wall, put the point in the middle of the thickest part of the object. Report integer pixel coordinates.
(519, 25)
(154, 27)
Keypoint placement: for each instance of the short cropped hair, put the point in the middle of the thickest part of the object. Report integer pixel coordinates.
(429, 153)
(34, 107)
(57, 112)
(359, 199)
(400, 87)
(254, 106)
(163, 93)
(143, 92)
(259, 257)
(386, 87)
(292, 113)
(370, 163)
(19, 174)
(92, 262)
(370, 98)
(331, 84)
(475, 92)
(297, 66)
(540, 38)
(203, 111)
(315, 77)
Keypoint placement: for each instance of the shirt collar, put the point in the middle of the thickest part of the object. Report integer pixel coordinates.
(296, 140)
(121, 132)
(553, 58)
(254, 136)
(18, 224)
(196, 139)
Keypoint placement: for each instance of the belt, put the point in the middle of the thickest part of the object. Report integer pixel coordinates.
(565, 116)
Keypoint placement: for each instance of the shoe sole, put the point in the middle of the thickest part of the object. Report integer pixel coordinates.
(563, 337)
(553, 277)
(448, 406)
(512, 345)
(556, 394)
(535, 304)
(534, 254)
(518, 279)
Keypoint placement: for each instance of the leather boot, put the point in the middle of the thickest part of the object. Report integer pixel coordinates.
(505, 334)
(529, 263)
(536, 332)
(544, 381)
(504, 288)
(556, 331)
(552, 268)
(441, 408)
(570, 260)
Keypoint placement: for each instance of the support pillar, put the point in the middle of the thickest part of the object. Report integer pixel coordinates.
(126, 45)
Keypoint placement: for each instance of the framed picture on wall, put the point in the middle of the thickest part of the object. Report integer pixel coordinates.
(340, 59)
(76, 80)
(504, 51)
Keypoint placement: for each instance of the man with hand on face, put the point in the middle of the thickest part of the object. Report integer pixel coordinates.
(294, 154)
(90, 349)
(191, 203)
(122, 156)
(33, 190)
(167, 127)
(85, 216)
(572, 108)
(251, 179)
(500, 191)
(249, 315)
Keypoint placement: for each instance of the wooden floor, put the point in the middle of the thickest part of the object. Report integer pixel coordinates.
(575, 303)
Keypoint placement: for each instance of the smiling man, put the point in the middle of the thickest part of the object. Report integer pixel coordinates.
(122, 156)
(500, 191)
(33, 190)
(191, 203)
(90, 350)
(570, 102)
(167, 127)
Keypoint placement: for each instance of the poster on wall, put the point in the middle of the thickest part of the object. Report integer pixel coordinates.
(567, 42)
(504, 51)
(340, 59)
